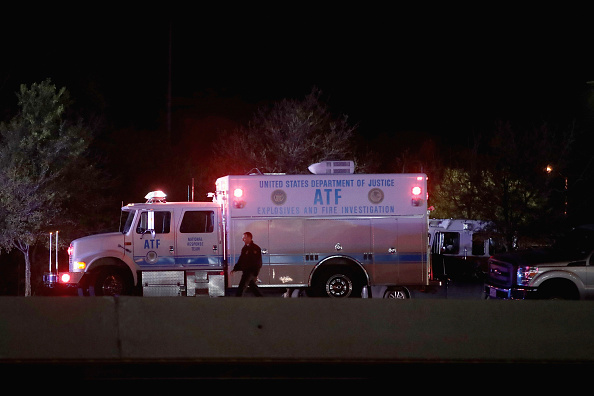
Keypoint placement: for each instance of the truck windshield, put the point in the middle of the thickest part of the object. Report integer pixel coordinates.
(128, 223)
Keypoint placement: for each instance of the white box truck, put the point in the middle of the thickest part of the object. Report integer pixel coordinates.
(336, 235)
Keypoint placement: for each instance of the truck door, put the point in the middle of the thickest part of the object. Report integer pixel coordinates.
(259, 230)
(286, 252)
(337, 237)
(412, 250)
(385, 267)
(198, 242)
(589, 292)
(154, 239)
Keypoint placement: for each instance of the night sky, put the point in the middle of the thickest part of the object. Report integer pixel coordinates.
(401, 72)
(395, 73)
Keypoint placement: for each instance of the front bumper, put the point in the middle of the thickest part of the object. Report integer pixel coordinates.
(75, 277)
(494, 292)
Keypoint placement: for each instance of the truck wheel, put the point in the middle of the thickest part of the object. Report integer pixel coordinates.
(338, 282)
(558, 289)
(397, 293)
(110, 282)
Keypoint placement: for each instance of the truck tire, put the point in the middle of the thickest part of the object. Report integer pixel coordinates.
(110, 282)
(337, 282)
(558, 289)
(397, 293)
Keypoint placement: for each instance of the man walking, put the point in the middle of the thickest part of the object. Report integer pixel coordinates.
(249, 263)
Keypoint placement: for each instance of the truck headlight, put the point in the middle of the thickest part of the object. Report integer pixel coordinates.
(525, 274)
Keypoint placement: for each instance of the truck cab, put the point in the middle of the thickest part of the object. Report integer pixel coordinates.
(460, 248)
(163, 248)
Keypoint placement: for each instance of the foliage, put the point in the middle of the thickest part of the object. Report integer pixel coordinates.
(41, 166)
(506, 182)
(287, 137)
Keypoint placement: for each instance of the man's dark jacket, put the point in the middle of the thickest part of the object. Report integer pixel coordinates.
(250, 259)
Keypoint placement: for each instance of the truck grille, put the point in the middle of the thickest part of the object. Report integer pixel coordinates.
(500, 273)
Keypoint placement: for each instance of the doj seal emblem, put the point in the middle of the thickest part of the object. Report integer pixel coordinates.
(375, 195)
(278, 197)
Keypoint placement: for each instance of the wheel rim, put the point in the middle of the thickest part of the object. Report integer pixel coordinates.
(113, 285)
(397, 294)
(339, 286)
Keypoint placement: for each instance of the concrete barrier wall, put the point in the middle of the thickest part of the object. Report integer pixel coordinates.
(136, 329)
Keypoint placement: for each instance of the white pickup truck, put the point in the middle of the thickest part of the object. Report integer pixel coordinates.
(563, 271)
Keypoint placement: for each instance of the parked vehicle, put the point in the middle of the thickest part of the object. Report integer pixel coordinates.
(563, 271)
(334, 234)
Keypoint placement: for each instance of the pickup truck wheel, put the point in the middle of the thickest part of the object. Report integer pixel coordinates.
(558, 290)
(397, 293)
(109, 282)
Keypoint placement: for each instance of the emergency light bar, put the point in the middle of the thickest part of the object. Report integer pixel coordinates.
(332, 167)
(155, 196)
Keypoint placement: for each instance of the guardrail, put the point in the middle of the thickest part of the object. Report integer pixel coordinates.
(155, 334)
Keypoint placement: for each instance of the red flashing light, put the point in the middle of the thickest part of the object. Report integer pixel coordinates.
(65, 278)
(416, 190)
(238, 202)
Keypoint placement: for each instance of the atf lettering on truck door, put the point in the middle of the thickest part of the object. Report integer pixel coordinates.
(198, 240)
(154, 239)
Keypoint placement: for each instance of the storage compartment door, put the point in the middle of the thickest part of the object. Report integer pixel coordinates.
(259, 230)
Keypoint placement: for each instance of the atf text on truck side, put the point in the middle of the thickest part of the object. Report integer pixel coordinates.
(562, 271)
(338, 234)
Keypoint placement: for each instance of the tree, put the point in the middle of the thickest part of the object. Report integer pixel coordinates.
(287, 137)
(41, 161)
(506, 182)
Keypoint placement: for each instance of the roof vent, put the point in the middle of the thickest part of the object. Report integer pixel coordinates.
(332, 167)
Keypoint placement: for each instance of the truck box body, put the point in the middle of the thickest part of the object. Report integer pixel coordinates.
(301, 220)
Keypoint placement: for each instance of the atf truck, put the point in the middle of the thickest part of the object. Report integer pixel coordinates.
(564, 270)
(460, 247)
(336, 235)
